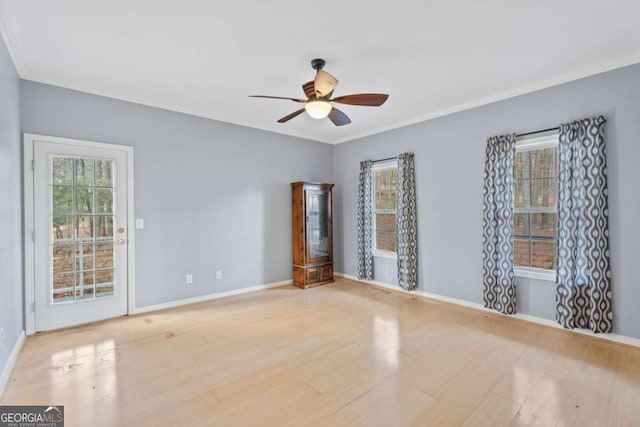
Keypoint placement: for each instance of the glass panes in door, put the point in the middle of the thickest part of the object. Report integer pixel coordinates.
(81, 228)
(317, 227)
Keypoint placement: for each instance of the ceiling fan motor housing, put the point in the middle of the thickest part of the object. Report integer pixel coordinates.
(317, 64)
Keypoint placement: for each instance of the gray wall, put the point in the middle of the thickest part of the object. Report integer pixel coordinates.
(11, 319)
(449, 155)
(214, 196)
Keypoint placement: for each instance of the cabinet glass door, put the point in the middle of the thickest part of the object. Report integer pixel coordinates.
(317, 227)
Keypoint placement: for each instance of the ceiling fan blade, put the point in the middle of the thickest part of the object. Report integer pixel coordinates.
(338, 117)
(324, 83)
(278, 97)
(309, 89)
(291, 116)
(369, 99)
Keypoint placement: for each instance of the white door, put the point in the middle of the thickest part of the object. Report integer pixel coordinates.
(80, 233)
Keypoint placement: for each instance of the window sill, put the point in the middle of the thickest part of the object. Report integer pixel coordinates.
(384, 254)
(536, 273)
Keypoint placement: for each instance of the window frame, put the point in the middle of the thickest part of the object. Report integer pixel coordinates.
(532, 144)
(377, 167)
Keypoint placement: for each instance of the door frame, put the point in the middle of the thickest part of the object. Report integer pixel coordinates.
(28, 228)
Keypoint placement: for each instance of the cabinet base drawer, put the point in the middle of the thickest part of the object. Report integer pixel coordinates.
(314, 275)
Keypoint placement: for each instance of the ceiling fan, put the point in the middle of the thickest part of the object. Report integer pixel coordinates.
(318, 102)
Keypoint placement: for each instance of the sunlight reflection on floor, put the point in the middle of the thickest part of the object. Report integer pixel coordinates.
(387, 339)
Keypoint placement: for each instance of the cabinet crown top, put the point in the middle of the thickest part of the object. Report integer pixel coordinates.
(317, 184)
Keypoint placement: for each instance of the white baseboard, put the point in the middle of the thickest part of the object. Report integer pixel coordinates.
(209, 297)
(622, 339)
(5, 375)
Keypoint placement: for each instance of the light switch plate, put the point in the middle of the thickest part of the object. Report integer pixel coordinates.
(139, 223)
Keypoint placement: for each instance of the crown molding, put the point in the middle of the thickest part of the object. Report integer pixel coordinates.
(114, 94)
(544, 84)
(12, 46)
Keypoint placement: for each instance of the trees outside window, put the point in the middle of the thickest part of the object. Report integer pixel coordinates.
(385, 178)
(535, 206)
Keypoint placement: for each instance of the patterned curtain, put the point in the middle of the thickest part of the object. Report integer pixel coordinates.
(498, 250)
(583, 297)
(365, 205)
(407, 224)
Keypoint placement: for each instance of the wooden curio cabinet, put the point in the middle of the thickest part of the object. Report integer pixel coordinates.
(312, 234)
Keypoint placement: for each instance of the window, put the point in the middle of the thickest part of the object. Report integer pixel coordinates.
(385, 178)
(535, 206)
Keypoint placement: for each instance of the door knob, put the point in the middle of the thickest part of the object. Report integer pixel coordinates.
(121, 230)
(121, 241)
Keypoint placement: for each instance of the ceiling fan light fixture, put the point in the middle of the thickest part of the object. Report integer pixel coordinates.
(318, 109)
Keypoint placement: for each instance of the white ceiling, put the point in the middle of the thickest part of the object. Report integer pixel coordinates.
(204, 57)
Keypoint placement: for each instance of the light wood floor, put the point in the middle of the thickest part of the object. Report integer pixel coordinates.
(343, 354)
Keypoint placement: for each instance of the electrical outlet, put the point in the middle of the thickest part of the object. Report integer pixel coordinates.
(189, 279)
(1, 338)
(219, 275)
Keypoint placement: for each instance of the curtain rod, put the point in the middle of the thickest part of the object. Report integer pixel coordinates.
(384, 160)
(520, 135)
